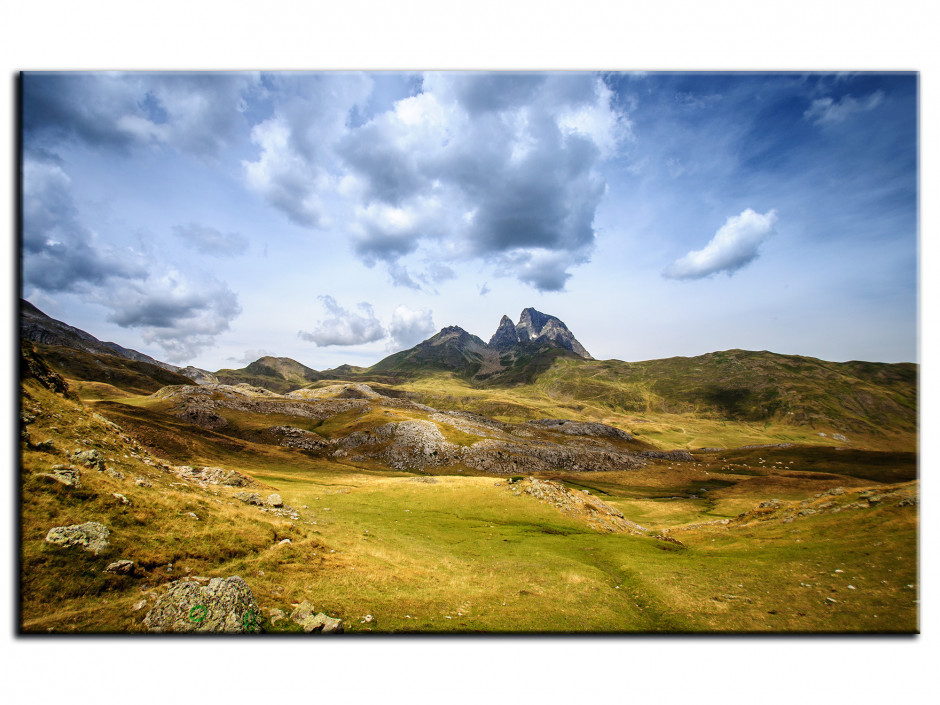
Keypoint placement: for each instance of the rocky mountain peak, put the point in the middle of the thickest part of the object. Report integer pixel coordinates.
(506, 335)
(540, 327)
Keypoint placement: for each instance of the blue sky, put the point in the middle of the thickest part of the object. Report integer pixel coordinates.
(211, 218)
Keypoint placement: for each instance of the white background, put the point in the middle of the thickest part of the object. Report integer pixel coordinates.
(429, 34)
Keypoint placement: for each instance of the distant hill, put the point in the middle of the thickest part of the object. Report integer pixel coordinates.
(870, 398)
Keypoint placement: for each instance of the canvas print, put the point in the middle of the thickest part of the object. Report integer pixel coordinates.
(477, 352)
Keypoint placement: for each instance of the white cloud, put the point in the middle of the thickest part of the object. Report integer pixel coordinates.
(735, 244)
(520, 152)
(826, 111)
(344, 327)
(251, 355)
(410, 327)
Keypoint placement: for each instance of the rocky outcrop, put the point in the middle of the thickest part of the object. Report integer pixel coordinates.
(66, 475)
(580, 505)
(682, 456)
(224, 605)
(581, 428)
(90, 536)
(34, 367)
(212, 476)
(292, 437)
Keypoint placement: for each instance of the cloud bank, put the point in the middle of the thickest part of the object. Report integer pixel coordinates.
(736, 244)
(499, 167)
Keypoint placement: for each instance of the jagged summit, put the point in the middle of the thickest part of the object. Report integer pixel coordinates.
(537, 327)
(506, 335)
(515, 352)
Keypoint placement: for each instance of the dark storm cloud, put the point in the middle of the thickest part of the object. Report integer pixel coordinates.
(194, 113)
(59, 251)
(182, 317)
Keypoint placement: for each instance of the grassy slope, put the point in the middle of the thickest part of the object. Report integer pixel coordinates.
(464, 553)
(724, 399)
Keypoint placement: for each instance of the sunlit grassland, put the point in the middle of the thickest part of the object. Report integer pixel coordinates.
(464, 553)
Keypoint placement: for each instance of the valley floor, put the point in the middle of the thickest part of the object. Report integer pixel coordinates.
(768, 539)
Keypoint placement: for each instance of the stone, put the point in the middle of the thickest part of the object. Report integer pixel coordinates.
(303, 611)
(65, 474)
(121, 567)
(192, 515)
(141, 482)
(90, 536)
(275, 615)
(249, 498)
(322, 624)
(274, 500)
(284, 542)
(225, 605)
(91, 458)
(121, 498)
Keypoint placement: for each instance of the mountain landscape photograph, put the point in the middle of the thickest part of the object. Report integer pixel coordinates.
(468, 352)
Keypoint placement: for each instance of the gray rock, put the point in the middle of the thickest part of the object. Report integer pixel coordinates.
(121, 567)
(275, 615)
(303, 611)
(322, 624)
(141, 482)
(224, 605)
(91, 536)
(66, 474)
(91, 458)
(120, 498)
(249, 498)
(284, 542)
(274, 500)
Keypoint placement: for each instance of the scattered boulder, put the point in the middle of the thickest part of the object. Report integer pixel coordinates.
(91, 458)
(141, 482)
(320, 623)
(91, 536)
(274, 500)
(224, 605)
(120, 498)
(66, 474)
(121, 567)
(250, 498)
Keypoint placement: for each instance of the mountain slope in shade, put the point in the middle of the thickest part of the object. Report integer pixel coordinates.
(37, 327)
